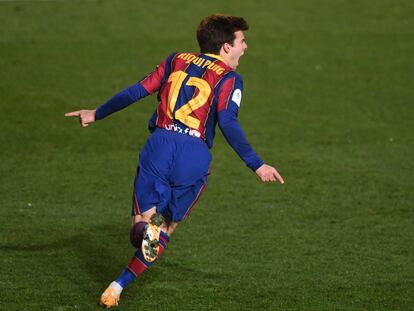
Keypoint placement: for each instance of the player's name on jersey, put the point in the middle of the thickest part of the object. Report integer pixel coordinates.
(201, 62)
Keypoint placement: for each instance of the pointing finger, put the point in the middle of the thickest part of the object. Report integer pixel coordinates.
(73, 114)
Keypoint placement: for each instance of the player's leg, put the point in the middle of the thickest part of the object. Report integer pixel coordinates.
(138, 263)
(188, 183)
(188, 178)
(151, 189)
(144, 258)
(140, 223)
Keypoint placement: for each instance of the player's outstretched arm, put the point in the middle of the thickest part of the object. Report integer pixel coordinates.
(86, 117)
(268, 173)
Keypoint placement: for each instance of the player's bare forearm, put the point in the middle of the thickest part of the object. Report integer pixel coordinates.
(268, 173)
(86, 117)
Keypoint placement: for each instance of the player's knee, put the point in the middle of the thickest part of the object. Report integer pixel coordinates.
(146, 216)
(139, 218)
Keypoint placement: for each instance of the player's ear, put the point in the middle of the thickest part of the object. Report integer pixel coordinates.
(226, 47)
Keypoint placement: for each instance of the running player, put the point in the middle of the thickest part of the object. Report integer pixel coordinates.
(195, 92)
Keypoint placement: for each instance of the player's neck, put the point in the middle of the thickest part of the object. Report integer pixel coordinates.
(224, 57)
(228, 60)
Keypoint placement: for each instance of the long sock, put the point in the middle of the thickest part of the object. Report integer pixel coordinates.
(136, 233)
(125, 278)
(138, 264)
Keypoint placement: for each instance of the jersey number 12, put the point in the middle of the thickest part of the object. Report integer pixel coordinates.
(183, 113)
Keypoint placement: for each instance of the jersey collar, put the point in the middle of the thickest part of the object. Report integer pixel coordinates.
(215, 56)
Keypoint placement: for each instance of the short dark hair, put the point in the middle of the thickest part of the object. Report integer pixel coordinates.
(217, 29)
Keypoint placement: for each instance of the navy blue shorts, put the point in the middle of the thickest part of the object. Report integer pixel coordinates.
(171, 175)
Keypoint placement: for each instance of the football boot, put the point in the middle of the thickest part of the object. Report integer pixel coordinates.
(110, 297)
(151, 237)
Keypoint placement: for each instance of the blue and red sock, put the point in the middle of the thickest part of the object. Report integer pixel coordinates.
(136, 233)
(138, 264)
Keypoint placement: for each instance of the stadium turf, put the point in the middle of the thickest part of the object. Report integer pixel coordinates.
(328, 100)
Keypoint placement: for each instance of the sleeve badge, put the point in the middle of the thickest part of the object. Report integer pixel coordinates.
(237, 96)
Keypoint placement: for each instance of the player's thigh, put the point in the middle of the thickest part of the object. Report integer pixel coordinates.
(185, 198)
(151, 185)
(157, 155)
(150, 190)
(191, 164)
(188, 178)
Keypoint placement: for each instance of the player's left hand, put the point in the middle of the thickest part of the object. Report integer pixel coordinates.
(86, 117)
(268, 173)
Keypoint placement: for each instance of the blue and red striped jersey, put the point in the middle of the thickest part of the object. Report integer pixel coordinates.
(192, 89)
(195, 92)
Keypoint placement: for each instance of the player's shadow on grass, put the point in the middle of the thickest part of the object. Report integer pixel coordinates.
(97, 253)
(102, 254)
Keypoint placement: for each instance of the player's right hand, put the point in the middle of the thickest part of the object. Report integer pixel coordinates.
(268, 173)
(86, 117)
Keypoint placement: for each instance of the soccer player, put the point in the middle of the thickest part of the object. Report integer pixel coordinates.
(195, 92)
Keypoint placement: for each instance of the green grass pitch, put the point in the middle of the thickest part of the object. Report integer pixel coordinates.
(328, 100)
